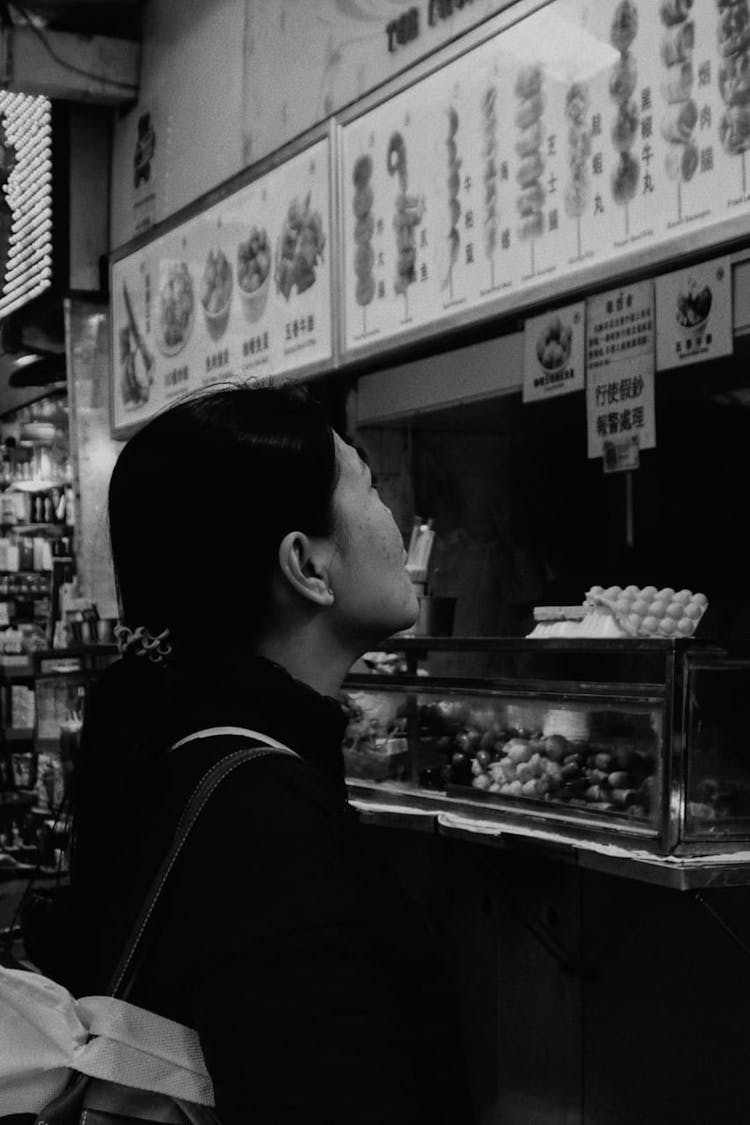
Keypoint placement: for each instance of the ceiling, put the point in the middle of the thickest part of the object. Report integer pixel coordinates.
(118, 19)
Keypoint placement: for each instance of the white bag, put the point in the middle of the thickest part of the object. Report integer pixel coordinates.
(135, 1066)
(45, 1033)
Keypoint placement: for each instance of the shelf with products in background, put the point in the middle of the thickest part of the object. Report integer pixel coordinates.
(37, 521)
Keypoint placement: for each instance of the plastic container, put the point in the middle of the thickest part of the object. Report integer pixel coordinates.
(436, 615)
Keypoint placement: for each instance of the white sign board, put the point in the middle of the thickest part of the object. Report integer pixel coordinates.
(620, 368)
(578, 136)
(694, 314)
(241, 290)
(554, 347)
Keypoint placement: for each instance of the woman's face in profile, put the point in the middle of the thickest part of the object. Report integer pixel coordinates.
(374, 594)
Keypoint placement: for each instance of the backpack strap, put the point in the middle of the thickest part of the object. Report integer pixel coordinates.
(201, 794)
(242, 732)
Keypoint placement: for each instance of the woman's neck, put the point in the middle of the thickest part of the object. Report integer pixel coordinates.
(320, 665)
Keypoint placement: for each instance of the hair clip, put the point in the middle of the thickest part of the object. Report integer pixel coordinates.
(139, 642)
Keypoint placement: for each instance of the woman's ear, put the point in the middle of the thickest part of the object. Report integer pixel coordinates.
(303, 565)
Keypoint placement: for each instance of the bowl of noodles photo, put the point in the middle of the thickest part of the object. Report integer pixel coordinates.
(176, 312)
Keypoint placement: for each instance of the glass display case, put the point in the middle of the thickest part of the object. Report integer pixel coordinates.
(640, 742)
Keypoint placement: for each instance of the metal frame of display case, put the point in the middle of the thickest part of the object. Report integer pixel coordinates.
(664, 851)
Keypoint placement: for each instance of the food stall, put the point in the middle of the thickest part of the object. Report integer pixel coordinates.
(525, 263)
(553, 150)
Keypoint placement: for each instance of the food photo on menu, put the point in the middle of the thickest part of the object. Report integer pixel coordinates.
(216, 292)
(693, 305)
(299, 248)
(136, 359)
(733, 37)
(489, 175)
(681, 114)
(453, 186)
(579, 150)
(529, 150)
(364, 289)
(364, 229)
(408, 213)
(254, 272)
(176, 308)
(623, 80)
(553, 346)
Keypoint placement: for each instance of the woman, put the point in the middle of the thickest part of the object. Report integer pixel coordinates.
(251, 545)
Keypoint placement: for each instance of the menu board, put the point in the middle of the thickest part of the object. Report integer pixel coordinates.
(581, 134)
(241, 290)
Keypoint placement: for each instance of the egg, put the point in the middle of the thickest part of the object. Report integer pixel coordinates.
(674, 609)
(667, 626)
(518, 750)
(631, 591)
(648, 592)
(699, 600)
(612, 592)
(685, 626)
(640, 605)
(634, 620)
(693, 611)
(650, 624)
(667, 593)
(657, 607)
(683, 596)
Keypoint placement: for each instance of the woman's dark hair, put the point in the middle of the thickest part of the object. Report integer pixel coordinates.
(199, 502)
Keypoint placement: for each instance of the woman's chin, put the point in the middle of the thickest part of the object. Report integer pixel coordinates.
(411, 613)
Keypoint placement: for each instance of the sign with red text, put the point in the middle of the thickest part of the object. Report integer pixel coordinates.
(620, 368)
(694, 314)
(554, 353)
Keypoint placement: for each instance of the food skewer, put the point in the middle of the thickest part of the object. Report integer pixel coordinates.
(454, 206)
(734, 80)
(681, 114)
(528, 118)
(623, 79)
(409, 212)
(146, 356)
(489, 149)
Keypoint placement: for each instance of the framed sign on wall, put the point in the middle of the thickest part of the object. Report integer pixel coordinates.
(240, 289)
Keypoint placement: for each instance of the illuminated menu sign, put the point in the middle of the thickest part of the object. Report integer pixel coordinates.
(240, 291)
(578, 136)
(25, 199)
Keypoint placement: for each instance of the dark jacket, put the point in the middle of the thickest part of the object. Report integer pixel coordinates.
(313, 981)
